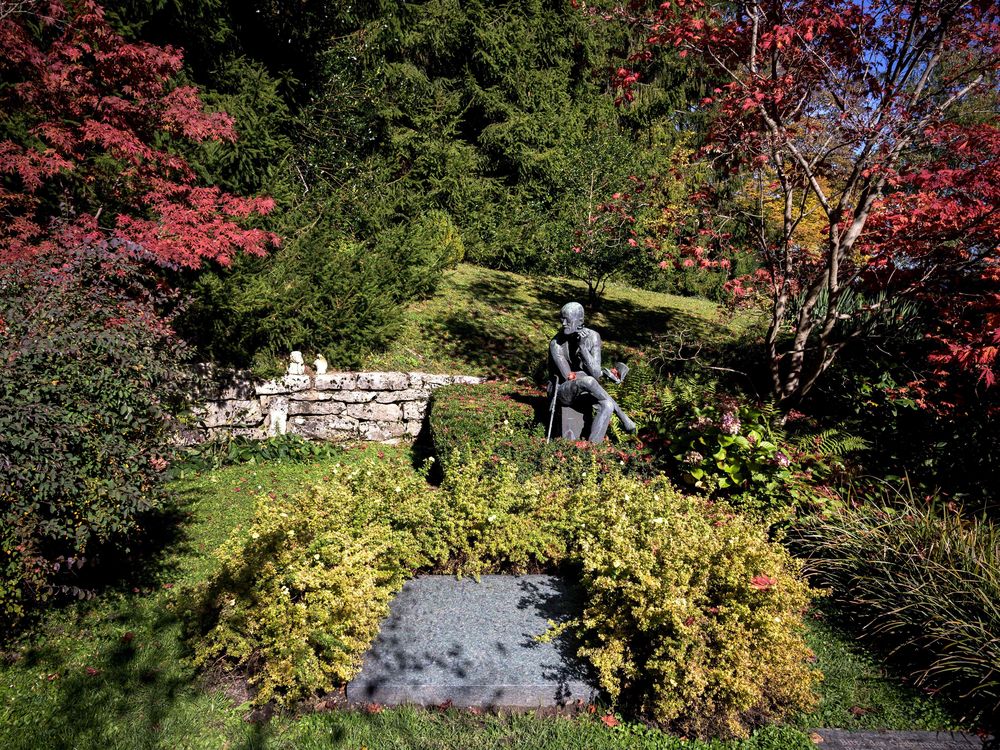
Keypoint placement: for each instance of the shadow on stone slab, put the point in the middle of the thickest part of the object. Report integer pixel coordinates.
(475, 644)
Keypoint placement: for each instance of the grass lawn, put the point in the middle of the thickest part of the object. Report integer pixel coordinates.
(496, 323)
(113, 672)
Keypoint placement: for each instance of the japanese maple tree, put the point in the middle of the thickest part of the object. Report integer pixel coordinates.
(839, 113)
(90, 128)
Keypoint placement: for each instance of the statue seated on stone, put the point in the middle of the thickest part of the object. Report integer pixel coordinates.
(580, 408)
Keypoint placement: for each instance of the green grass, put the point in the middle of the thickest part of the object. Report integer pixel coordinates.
(858, 692)
(496, 323)
(114, 672)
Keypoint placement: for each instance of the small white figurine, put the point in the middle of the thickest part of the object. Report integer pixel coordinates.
(320, 364)
(296, 366)
(278, 416)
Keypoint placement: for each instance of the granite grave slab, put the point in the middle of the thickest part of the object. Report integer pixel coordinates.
(474, 644)
(841, 739)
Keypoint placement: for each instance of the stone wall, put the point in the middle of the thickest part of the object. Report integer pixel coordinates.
(378, 406)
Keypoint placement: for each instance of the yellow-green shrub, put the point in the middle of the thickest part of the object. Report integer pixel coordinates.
(494, 521)
(299, 593)
(691, 614)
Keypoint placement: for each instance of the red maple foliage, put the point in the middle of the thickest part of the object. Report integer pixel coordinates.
(89, 131)
(843, 110)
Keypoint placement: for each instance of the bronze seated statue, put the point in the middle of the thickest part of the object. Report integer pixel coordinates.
(579, 407)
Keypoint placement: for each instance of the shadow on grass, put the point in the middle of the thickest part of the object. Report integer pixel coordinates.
(113, 683)
(481, 340)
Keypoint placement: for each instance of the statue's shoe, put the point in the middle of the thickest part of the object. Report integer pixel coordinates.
(628, 425)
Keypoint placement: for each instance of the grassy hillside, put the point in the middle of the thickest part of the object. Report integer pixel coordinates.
(496, 323)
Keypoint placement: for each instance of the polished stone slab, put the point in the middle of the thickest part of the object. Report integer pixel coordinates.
(840, 739)
(473, 644)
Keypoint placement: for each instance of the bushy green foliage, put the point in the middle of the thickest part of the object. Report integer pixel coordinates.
(462, 416)
(320, 292)
(734, 448)
(421, 251)
(867, 392)
(687, 607)
(692, 612)
(89, 376)
(924, 583)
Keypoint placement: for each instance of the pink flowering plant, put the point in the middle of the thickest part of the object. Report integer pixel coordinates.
(732, 448)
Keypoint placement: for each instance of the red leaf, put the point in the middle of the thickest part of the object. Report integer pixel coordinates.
(763, 583)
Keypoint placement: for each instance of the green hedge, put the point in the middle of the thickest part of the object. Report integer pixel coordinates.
(504, 422)
(687, 606)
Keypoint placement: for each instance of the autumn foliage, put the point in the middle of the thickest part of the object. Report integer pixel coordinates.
(96, 202)
(842, 114)
(91, 145)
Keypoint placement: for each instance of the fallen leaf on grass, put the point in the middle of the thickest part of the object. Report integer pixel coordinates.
(610, 721)
(92, 672)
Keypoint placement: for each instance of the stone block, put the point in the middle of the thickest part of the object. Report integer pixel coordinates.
(412, 428)
(375, 412)
(396, 397)
(427, 380)
(355, 397)
(383, 381)
(336, 381)
(310, 395)
(277, 414)
(230, 414)
(285, 384)
(474, 644)
(318, 408)
(843, 739)
(466, 379)
(380, 432)
(414, 410)
(324, 428)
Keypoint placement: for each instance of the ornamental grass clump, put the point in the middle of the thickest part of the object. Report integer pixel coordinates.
(926, 585)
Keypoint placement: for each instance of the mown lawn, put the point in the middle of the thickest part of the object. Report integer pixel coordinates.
(113, 672)
(496, 323)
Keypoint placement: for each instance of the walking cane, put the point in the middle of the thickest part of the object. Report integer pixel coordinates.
(552, 408)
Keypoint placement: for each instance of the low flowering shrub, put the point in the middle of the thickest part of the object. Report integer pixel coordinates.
(503, 422)
(735, 449)
(468, 416)
(692, 615)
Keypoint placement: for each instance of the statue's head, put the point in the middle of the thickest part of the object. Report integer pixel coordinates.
(296, 358)
(571, 317)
